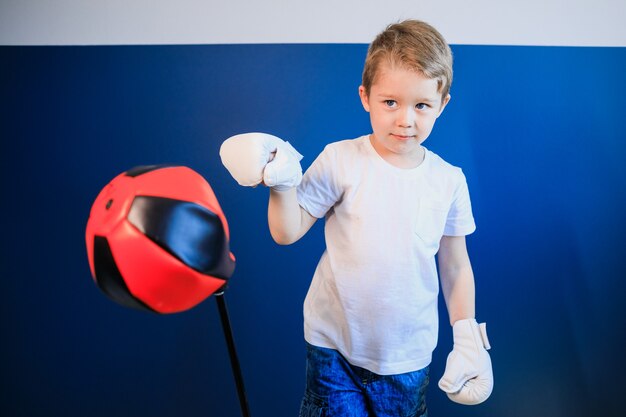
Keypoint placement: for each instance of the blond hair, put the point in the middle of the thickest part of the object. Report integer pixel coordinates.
(412, 45)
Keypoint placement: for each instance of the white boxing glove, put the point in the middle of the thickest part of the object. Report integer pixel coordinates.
(468, 378)
(252, 158)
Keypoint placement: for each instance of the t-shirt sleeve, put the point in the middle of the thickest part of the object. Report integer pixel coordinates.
(460, 221)
(318, 191)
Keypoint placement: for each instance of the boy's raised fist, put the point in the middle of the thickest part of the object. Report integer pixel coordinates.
(255, 158)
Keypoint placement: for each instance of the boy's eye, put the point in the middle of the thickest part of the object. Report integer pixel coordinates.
(421, 106)
(390, 103)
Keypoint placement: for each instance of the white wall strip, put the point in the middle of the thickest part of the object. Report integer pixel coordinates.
(491, 22)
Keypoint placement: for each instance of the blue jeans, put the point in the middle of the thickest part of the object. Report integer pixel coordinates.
(335, 388)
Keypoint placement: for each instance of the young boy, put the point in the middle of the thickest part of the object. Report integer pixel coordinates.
(390, 205)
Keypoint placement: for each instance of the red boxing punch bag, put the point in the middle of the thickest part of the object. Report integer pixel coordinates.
(158, 240)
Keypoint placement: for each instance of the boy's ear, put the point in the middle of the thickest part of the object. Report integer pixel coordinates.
(364, 99)
(444, 103)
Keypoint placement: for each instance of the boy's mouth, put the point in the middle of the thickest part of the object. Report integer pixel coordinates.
(403, 137)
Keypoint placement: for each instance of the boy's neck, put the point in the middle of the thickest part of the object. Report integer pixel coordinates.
(399, 160)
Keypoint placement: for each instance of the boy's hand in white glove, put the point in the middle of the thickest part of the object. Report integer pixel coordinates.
(255, 158)
(468, 378)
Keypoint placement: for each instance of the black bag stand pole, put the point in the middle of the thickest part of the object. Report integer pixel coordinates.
(234, 361)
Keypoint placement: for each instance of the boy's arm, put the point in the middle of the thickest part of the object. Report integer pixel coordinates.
(468, 378)
(260, 158)
(288, 221)
(457, 278)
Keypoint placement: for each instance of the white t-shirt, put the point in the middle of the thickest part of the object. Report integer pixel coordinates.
(373, 296)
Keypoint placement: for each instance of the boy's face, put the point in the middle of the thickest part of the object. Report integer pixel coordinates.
(403, 107)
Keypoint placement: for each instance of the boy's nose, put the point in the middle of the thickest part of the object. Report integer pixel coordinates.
(406, 117)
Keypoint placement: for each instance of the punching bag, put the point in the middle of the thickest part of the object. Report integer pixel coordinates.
(158, 240)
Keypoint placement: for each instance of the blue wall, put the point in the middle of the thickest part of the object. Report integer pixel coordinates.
(539, 131)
